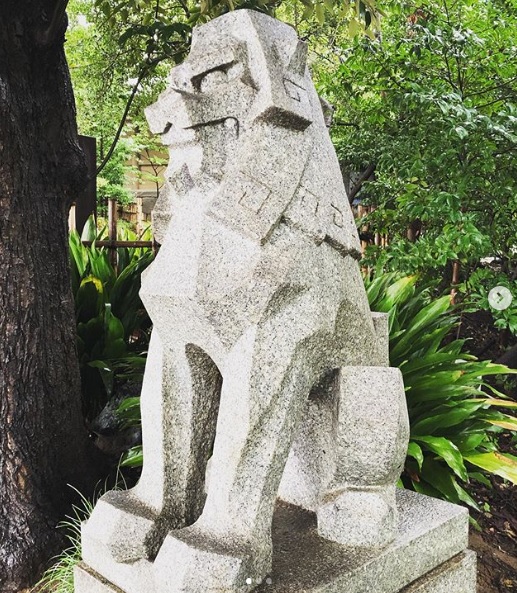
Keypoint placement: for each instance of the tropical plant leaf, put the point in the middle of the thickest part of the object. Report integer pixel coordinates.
(415, 451)
(452, 416)
(496, 463)
(112, 323)
(133, 458)
(448, 451)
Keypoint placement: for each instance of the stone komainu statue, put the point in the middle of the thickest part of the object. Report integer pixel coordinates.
(267, 374)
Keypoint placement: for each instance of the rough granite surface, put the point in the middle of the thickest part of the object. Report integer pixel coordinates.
(427, 556)
(267, 373)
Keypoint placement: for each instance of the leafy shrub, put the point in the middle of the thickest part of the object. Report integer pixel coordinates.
(112, 324)
(414, 104)
(475, 294)
(111, 185)
(454, 412)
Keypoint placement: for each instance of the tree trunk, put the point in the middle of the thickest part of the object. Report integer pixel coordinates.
(43, 441)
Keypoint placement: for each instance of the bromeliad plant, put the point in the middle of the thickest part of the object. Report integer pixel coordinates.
(455, 414)
(112, 324)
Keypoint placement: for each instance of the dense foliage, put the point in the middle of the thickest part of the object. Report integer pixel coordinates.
(430, 107)
(455, 412)
(120, 54)
(112, 324)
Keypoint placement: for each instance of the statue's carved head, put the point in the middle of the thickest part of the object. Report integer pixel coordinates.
(240, 80)
(235, 70)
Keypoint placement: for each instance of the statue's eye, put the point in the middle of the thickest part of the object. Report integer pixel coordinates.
(211, 80)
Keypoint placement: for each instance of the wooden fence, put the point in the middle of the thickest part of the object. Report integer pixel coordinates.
(366, 236)
(112, 243)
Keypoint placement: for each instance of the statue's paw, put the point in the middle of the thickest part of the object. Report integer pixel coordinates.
(121, 526)
(191, 561)
(359, 518)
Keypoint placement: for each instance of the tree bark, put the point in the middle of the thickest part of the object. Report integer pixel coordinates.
(43, 441)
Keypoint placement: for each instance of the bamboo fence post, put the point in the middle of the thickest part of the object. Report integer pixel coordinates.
(112, 230)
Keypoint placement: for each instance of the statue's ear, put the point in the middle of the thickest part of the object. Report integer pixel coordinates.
(298, 60)
(285, 100)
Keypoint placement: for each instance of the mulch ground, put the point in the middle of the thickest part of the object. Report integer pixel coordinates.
(496, 541)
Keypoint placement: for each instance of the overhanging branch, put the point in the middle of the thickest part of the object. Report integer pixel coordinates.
(123, 120)
(365, 175)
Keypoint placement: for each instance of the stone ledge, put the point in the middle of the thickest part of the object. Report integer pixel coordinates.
(428, 556)
(430, 532)
(457, 575)
(85, 579)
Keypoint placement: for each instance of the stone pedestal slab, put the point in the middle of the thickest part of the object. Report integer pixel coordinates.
(428, 556)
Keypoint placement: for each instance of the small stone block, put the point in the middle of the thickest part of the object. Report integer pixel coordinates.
(359, 518)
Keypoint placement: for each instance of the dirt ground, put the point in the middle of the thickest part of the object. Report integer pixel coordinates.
(496, 543)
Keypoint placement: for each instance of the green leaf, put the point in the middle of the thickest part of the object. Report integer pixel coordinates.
(450, 416)
(90, 228)
(449, 453)
(320, 13)
(114, 327)
(425, 488)
(435, 360)
(415, 451)
(423, 318)
(500, 403)
(89, 299)
(461, 132)
(470, 442)
(133, 458)
(78, 252)
(442, 479)
(507, 423)
(481, 478)
(496, 463)
(115, 348)
(354, 27)
(399, 292)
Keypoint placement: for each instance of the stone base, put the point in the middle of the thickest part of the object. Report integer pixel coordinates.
(457, 575)
(428, 556)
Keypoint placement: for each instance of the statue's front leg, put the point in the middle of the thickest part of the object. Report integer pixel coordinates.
(358, 508)
(181, 384)
(266, 383)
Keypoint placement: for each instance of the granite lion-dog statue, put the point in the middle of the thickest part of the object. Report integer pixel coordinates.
(267, 374)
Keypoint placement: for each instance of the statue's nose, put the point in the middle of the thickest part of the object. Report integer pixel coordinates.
(170, 109)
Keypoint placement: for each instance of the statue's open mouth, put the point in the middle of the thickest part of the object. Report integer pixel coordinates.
(178, 137)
